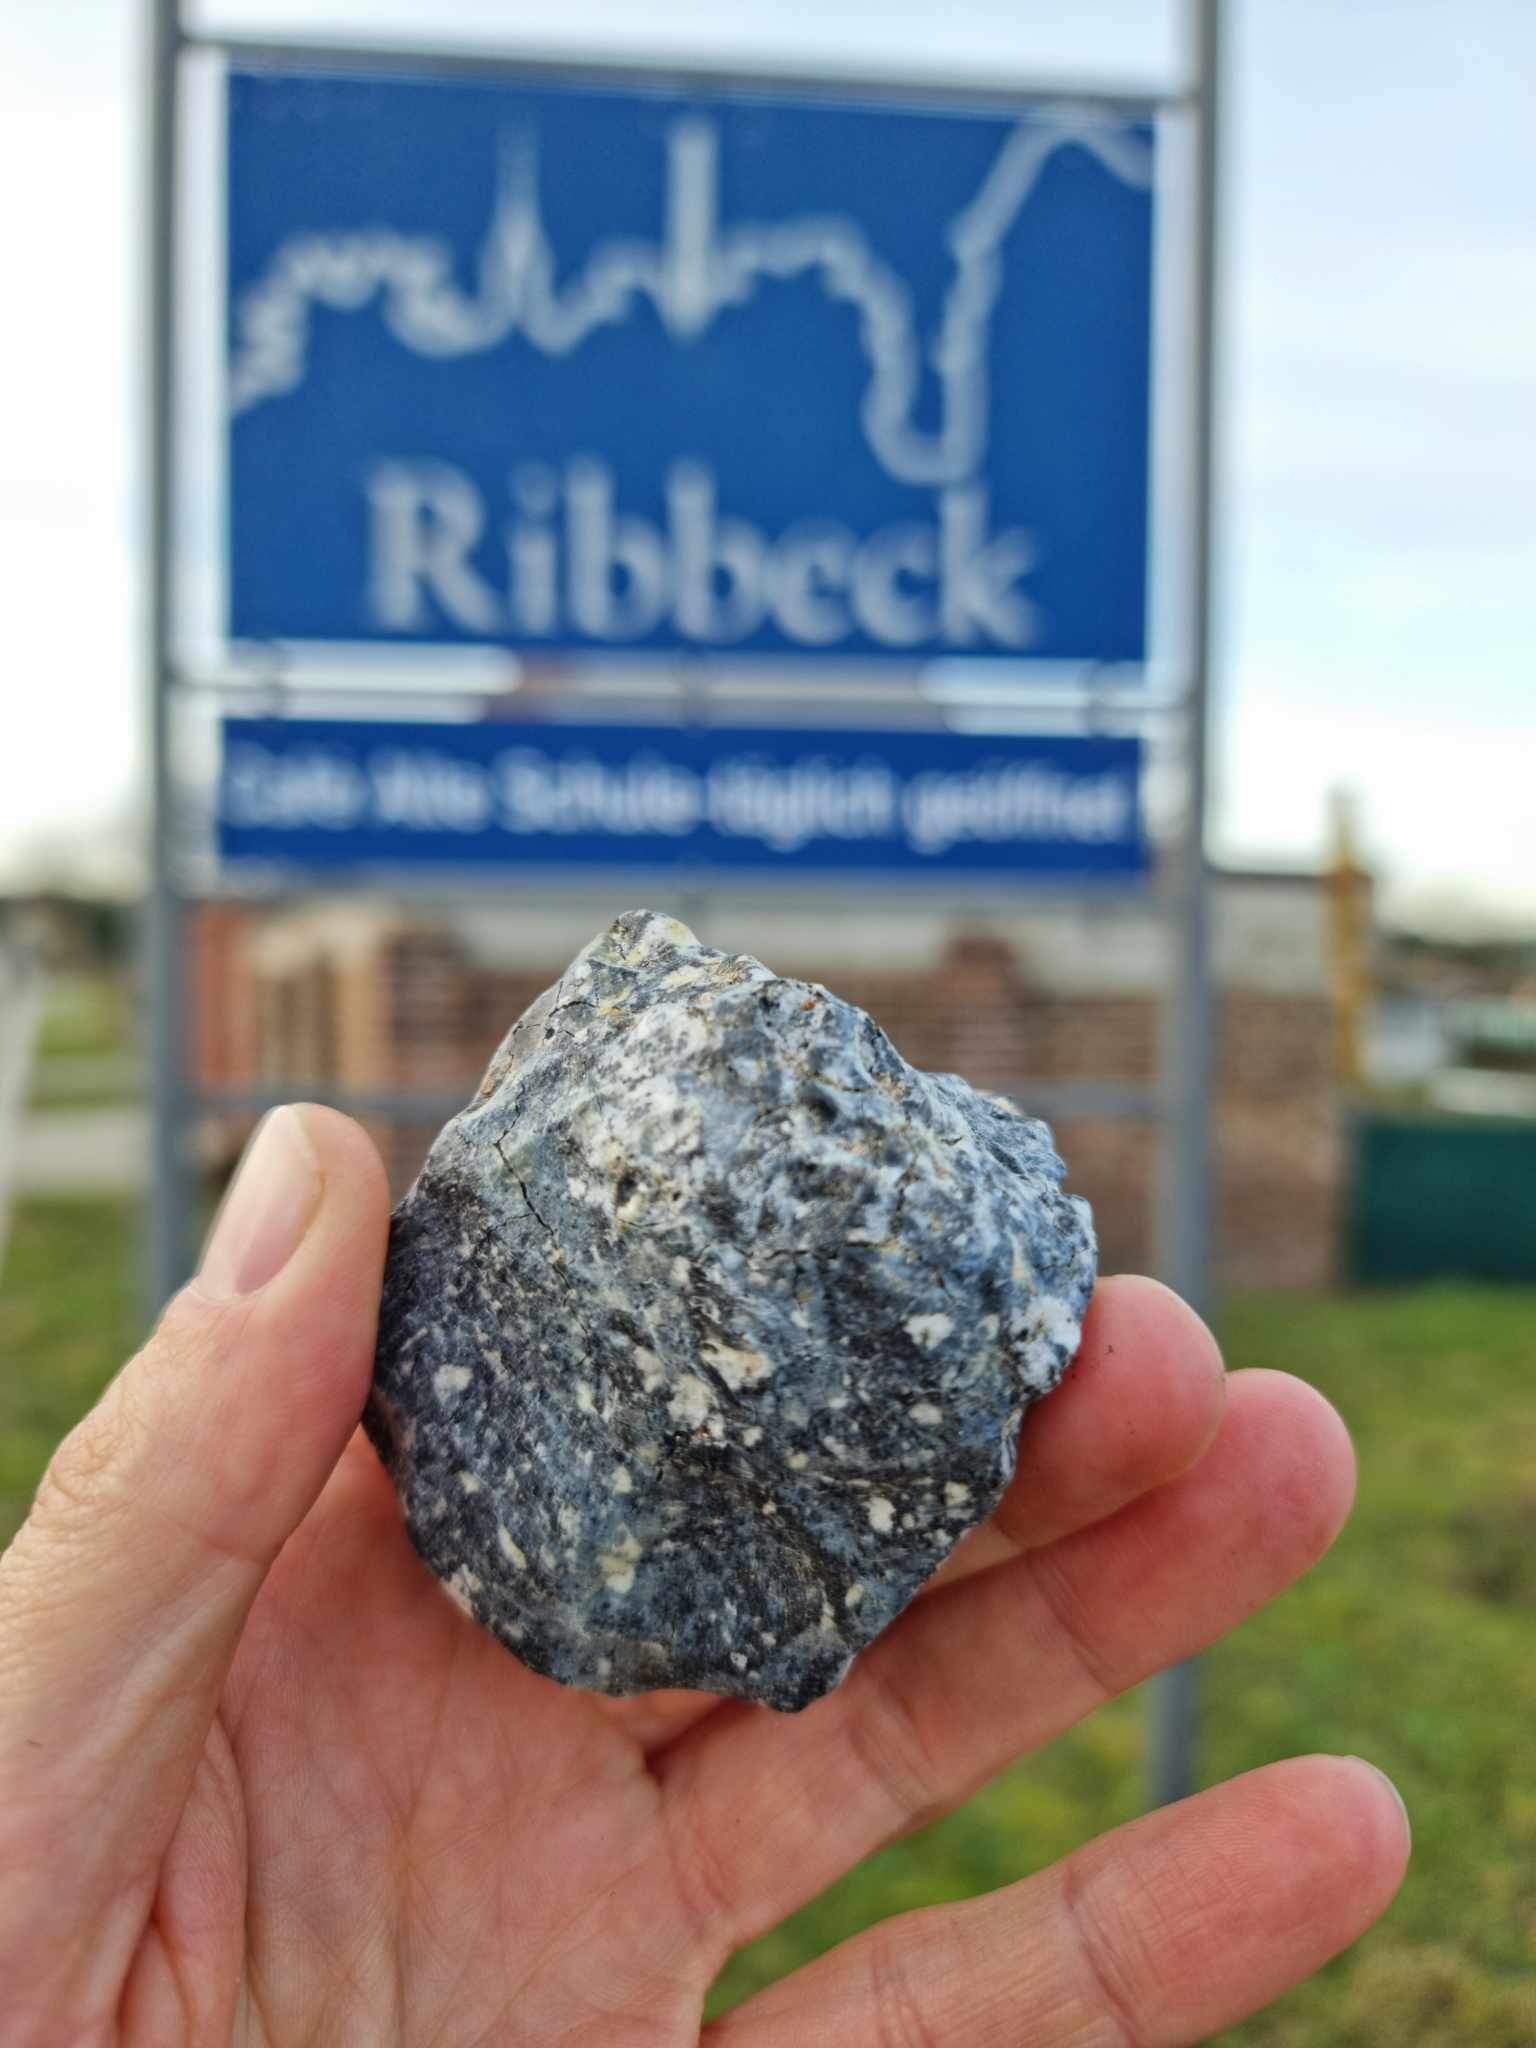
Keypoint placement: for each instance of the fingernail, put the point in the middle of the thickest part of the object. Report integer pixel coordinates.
(267, 1210)
(1402, 1806)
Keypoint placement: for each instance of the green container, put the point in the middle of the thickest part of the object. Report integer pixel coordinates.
(1433, 1198)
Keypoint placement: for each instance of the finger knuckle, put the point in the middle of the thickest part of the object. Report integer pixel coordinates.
(898, 2008)
(145, 1454)
(892, 1749)
(1107, 1952)
(1073, 1614)
(83, 1478)
(702, 1876)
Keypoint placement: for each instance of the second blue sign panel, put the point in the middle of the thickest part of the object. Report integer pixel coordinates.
(325, 795)
(629, 370)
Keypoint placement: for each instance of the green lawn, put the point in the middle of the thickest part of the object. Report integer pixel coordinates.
(85, 1056)
(85, 1016)
(68, 1315)
(1414, 1644)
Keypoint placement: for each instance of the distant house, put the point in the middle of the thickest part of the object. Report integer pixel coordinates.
(372, 995)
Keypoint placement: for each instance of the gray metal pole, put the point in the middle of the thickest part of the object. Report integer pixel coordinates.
(1184, 1219)
(164, 972)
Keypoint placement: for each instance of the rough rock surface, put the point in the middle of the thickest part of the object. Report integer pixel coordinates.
(708, 1325)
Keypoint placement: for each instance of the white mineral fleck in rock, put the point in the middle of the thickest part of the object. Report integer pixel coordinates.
(929, 1330)
(618, 1564)
(739, 1366)
(692, 1402)
(461, 1587)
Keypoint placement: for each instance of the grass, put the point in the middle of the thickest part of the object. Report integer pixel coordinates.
(85, 1056)
(68, 1318)
(67, 1087)
(85, 1016)
(1414, 1644)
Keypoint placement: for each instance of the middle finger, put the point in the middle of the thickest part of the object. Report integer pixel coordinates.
(769, 1810)
(1141, 1402)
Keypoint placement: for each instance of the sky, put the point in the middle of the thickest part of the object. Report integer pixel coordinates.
(1376, 544)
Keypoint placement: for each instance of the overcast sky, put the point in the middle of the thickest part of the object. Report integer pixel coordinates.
(1378, 516)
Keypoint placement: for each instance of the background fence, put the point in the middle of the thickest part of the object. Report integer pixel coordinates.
(1432, 1198)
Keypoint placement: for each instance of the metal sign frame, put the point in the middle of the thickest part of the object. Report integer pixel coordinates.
(1181, 1104)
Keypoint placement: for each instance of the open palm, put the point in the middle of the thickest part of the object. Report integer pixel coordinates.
(262, 1782)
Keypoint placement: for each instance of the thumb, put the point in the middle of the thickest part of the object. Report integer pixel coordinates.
(124, 1594)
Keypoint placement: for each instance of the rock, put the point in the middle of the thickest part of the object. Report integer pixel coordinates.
(708, 1325)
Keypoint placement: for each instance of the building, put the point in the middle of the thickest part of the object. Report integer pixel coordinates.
(1056, 1003)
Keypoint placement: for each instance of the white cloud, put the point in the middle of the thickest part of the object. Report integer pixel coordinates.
(1444, 804)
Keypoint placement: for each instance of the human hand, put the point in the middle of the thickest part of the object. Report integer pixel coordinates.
(261, 1781)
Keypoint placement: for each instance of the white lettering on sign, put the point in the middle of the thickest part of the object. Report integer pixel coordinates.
(562, 790)
(1019, 802)
(786, 807)
(421, 791)
(276, 792)
(575, 561)
(805, 579)
(618, 568)
(541, 792)
(719, 562)
(979, 576)
(425, 522)
(893, 579)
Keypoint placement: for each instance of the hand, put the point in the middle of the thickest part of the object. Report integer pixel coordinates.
(261, 1781)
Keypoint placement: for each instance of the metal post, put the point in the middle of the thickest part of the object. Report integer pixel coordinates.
(21, 1007)
(164, 971)
(1184, 1218)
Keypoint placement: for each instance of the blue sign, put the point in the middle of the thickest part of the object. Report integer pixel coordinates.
(559, 368)
(323, 794)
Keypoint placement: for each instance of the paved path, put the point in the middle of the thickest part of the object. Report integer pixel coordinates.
(83, 1151)
(106, 1076)
(20, 1007)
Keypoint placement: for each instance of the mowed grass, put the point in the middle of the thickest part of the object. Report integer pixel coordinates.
(69, 1315)
(85, 1016)
(1414, 1644)
(85, 1056)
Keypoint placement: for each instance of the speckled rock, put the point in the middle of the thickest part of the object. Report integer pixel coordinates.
(708, 1325)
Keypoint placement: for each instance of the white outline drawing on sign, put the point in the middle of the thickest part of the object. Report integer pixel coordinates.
(698, 271)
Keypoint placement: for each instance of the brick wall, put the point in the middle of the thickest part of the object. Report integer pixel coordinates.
(226, 1032)
(410, 1011)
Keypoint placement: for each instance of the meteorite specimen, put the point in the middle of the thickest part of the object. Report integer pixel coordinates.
(708, 1325)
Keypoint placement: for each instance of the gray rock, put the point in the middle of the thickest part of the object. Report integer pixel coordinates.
(708, 1325)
